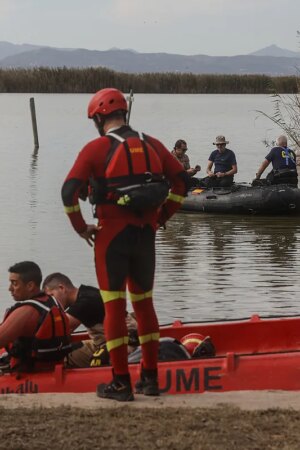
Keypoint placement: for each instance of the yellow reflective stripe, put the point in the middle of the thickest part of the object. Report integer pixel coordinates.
(72, 209)
(175, 198)
(148, 338)
(124, 200)
(138, 297)
(109, 296)
(115, 343)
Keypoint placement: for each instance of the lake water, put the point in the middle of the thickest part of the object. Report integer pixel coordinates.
(208, 267)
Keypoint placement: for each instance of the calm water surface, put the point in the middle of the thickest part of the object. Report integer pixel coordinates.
(208, 267)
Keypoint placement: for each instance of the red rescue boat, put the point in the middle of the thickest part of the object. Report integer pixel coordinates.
(251, 354)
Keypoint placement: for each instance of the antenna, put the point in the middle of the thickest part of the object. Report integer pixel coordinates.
(130, 101)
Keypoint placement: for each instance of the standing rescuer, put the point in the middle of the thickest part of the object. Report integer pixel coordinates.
(130, 174)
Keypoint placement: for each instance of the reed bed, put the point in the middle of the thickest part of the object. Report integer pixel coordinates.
(89, 80)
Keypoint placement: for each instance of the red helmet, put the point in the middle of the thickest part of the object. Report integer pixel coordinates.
(106, 101)
(192, 341)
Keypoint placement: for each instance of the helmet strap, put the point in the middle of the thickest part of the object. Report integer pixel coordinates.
(99, 122)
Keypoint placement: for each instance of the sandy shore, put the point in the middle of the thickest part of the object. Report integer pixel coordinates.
(245, 400)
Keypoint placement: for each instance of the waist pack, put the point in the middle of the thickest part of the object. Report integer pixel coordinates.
(285, 173)
(142, 197)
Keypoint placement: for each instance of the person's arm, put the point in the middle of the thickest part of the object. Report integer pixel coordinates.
(229, 173)
(193, 171)
(78, 175)
(178, 179)
(21, 322)
(208, 169)
(262, 168)
(186, 163)
(74, 323)
(297, 154)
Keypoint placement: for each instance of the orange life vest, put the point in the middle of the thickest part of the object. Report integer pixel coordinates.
(133, 174)
(131, 160)
(52, 338)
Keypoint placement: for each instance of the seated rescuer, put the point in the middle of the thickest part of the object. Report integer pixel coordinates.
(127, 169)
(225, 165)
(283, 161)
(179, 151)
(27, 330)
(84, 306)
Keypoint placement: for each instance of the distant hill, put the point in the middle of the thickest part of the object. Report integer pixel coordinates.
(9, 49)
(274, 50)
(130, 61)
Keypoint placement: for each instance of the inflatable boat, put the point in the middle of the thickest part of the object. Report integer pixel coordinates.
(244, 199)
(250, 354)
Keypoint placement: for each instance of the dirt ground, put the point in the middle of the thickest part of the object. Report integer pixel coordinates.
(243, 420)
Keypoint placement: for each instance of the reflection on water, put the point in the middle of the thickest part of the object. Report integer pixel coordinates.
(228, 266)
(33, 193)
(208, 267)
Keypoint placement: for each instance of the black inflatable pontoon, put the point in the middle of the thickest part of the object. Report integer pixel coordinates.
(244, 199)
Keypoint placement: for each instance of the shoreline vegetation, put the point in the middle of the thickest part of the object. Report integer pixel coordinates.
(88, 80)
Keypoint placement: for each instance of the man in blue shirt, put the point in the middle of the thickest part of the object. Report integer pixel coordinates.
(283, 161)
(225, 165)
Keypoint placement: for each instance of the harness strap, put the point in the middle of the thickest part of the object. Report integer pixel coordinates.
(116, 136)
(146, 153)
(52, 349)
(288, 152)
(36, 303)
(129, 160)
(287, 156)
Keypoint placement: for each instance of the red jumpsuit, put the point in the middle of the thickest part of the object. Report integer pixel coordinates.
(124, 248)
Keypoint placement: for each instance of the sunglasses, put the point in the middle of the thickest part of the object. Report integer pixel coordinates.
(220, 145)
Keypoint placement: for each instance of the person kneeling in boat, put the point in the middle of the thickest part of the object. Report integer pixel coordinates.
(35, 331)
(179, 151)
(225, 166)
(84, 306)
(283, 161)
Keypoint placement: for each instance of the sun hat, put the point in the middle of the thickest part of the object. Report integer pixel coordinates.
(220, 140)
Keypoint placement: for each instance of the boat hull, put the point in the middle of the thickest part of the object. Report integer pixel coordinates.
(245, 199)
(254, 354)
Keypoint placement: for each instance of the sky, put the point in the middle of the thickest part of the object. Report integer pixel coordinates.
(187, 27)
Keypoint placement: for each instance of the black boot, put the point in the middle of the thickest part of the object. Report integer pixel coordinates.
(118, 389)
(148, 383)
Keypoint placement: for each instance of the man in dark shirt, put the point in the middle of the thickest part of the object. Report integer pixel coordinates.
(225, 165)
(283, 159)
(179, 151)
(84, 306)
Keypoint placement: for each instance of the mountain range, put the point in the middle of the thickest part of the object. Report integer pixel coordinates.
(272, 60)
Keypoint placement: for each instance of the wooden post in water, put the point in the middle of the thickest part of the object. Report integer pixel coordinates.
(34, 124)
